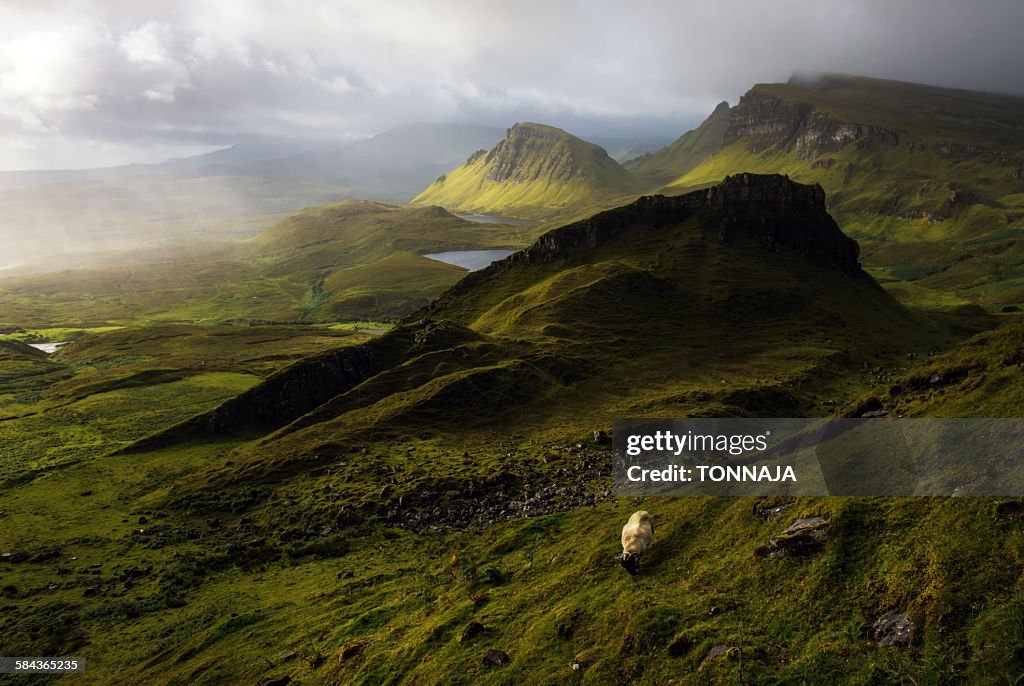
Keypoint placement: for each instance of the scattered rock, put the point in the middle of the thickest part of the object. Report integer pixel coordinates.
(289, 656)
(1010, 511)
(496, 657)
(715, 653)
(802, 537)
(472, 630)
(601, 437)
(893, 630)
(577, 666)
(352, 649)
(767, 509)
(90, 592)
(19, 556)
(346, 574)
(679, 646)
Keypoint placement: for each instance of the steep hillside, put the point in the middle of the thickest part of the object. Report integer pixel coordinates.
(686, 152)
(536, 171)
(930, 180)
(981, 377)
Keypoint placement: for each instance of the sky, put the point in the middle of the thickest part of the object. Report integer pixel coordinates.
(86, 83)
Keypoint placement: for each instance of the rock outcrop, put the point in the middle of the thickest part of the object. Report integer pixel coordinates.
(765, 121)
(820, 134)
(774, 210)
(802, 537)
(531, 151)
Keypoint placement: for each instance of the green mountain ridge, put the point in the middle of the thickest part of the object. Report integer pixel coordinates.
(929, 179)
(627, 289)
(536, 171)
(686, 152)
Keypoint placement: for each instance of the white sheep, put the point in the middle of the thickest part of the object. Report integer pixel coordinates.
(636, 536)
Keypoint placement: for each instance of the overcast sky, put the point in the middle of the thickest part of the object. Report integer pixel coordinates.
(92, 82)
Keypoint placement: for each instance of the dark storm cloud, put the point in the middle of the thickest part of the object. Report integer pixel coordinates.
(107, 80)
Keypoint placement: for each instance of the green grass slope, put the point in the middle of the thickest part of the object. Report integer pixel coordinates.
(105, 390)
(686, 152)
(981, 377)
(537, 172)
(930, 180)
(745, 299)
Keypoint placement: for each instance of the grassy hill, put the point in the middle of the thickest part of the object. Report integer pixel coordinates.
(668, 305)
(537, 172)
(929, 180)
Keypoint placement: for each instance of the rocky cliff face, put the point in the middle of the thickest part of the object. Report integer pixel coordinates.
(765, 121)
(530, 152)
(773, 210)
(820, 134)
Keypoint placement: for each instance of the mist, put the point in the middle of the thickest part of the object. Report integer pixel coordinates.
(96, 83)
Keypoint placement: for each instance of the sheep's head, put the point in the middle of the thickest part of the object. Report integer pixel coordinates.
(631, 562)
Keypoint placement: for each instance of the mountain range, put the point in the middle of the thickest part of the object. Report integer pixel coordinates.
(928, 179)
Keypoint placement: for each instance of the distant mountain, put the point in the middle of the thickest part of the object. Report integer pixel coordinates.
(230, 193)
(930, 180)
(234, 155)
(390, 167)
(535, 171)
(624, 148)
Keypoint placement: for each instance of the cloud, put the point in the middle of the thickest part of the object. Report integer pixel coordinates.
(134, 75)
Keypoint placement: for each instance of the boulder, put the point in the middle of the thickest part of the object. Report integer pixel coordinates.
(802, 537)
(893, 629)
(496, 657)
(472, 630)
